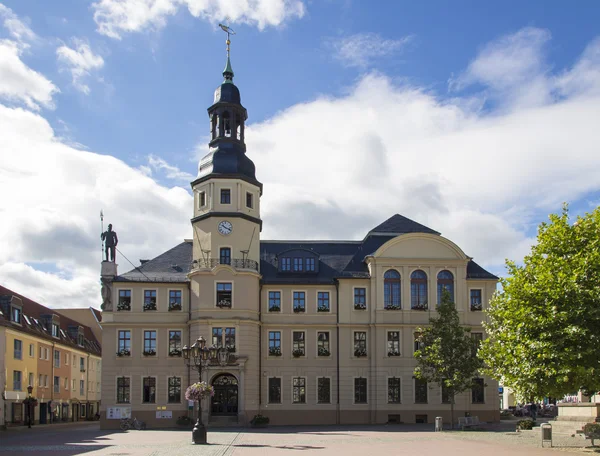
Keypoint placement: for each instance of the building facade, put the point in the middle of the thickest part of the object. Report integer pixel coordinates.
(58, 357)
(318, 332)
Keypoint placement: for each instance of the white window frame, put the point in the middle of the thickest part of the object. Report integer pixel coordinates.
(281, 392)
(454, 282)
(354, 331)
(330, 390)
(144, 345)
(292, 301)
(269, 357)
(156, 399)
(317, 343)
(317, 301)
(32, 350)
(115, 307)
(169, 343)
(117, 403)
(280, 301)
(144, 290)
(306, 401)
(354, 391)
(232, 293)
(246, 200)
(292, 343)
(181, 392)
(223, 327)
(169, 290)
(387, 379)
(200, 192)
(399, 331)
(130, 341)
(469, 299)
(366, 299)
(414, 331)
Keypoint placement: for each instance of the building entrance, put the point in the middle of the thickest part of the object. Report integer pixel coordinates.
(225, 400)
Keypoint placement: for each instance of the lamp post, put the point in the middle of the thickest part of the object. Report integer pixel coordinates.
(29, 407)
(198, 357)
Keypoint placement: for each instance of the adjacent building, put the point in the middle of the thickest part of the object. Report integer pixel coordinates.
(318, 332)
(59, 357)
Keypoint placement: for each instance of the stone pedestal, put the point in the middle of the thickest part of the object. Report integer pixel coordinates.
(108, 269)
(581, 411)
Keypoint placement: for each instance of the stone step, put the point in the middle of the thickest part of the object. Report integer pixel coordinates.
(223, 421)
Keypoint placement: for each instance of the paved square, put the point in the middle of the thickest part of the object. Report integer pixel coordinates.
(347, 441)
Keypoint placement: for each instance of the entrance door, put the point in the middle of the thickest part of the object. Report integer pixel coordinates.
(43, 412)
(225, 400)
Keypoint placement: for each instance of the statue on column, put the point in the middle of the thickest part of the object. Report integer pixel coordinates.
(110, 243)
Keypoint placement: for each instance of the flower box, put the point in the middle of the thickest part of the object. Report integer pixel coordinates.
(420, 307)
(149, 352)
(298, 353)
(174, 306)
(149, 306)
(324, 352)
(175, 352)
(360, 307)
(476, 306)
(393, 353)
(124, 306)
(322, 309)
(274, 309)
(224, 304)
(124, 352)
(298, 309)
(274, 351)
(360, 352)
(392, 307)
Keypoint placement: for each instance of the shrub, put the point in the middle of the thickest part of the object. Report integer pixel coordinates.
(184, 420)
(592, 430)
(525, 424)
(259, 419)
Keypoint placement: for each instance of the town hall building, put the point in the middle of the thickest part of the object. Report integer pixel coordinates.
(316, 332)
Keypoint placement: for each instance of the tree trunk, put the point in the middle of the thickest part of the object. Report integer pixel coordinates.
(452, 412)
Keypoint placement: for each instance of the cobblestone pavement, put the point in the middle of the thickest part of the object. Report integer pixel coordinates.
(347, 441)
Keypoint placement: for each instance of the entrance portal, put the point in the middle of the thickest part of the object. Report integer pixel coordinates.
(225, 400)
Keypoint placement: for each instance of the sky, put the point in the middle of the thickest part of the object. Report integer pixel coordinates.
(477, 119)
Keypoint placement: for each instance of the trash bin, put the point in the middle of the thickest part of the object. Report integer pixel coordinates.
(438, 424)
(546, 433)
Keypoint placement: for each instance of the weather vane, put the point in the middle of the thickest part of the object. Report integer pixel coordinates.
(229, 31)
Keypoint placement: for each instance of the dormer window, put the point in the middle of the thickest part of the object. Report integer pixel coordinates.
(298, 264)
(15, 315)
(310, 264)
(286, 264)
(299, 260)
(55, 329)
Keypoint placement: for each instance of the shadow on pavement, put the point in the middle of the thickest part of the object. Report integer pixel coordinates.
(283, 447)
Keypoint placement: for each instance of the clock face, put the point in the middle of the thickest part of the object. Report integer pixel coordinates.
(225, 227)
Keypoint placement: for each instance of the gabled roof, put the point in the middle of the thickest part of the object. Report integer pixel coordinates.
(32, 323)
(474, 271)
(398, 224)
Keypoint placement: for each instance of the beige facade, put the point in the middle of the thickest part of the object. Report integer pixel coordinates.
(317, 332)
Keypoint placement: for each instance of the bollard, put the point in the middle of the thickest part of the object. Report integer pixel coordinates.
(546, 429)
(438, 424)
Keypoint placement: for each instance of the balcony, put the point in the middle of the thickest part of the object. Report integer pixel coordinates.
(212, 263)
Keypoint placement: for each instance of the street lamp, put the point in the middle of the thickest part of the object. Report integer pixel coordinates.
(197, 357)
(29, 407)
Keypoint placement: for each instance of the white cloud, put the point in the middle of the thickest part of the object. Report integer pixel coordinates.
(80, 62)
(362, 49)
(116, 17)
(171, 172)
(18, 29)
(21, 84)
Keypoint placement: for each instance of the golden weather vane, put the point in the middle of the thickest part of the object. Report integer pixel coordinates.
(229, 31)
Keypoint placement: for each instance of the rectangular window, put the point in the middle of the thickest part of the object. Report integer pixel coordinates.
(31, 379)
(67, 358)
(45, 381)
(417, 345)
(174, 390)
(393, 343)
(149, 300)
(40, 381)
(74, 385)
(41, 353)
(217, 337)
(175, 300)
(18, 349)
(299, 301)
(175, 343)
(230, 339)
(31, 350)
(299, 390)
(124, 348)
(81, 387)
(360, 344)
(323, 390)
(150, 343)
(420, 391)
(394, 390)
(55, 329)
(360, 390)
(249, 200)
(57, 384)
(476, 301)
(201, 199)
(123, 390)
(323, 344)
(274, 390)
(298, 344)
(124, 303)
(224, 295)
(446, 397)
(81, 364)
(149, 390)
(225, 196)
(274, 343)
(16, 315)
(56, 358)
(298, 264)
(225, 255)
(310, 264)
(66, 383)
(323, 301)
(274, 301)
(286, 264)
(360, 298)
(477, 391)
(476, 338)
(17, 381)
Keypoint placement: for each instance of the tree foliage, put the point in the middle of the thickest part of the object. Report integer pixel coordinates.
(544, 327)
(446, 353)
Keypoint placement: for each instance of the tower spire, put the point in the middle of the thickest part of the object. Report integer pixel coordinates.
(228, 71)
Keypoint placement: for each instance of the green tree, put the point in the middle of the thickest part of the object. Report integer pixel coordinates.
(544, 327)
(446, 353)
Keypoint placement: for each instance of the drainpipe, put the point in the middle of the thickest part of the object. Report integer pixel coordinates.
(87, 387)
(189, 344)
(260, 373)
(337, 348)
(52, 387)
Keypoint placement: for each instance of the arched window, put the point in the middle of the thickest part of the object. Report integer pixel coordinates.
(213, 126)
(418, 290)
(391, 290)
(445, 281)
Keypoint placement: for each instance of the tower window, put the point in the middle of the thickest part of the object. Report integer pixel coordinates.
(225, 196)
(225, 255)
(227, 124)
(201, 199)
(249, 200)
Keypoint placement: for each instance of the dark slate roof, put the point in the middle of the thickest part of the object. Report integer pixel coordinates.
(31, 322)
(338, 259)
(172, 266)
(398, 224)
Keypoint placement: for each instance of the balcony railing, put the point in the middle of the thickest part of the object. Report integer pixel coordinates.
(211, 263)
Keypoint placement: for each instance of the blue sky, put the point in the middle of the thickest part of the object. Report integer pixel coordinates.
(474, 118)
